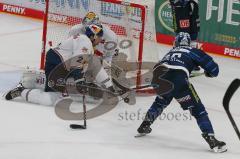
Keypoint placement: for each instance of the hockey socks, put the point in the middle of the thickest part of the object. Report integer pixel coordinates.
(205, 124)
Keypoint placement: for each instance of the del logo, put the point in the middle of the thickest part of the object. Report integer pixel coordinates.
(13, 9)
(184, 23)
(165, 16)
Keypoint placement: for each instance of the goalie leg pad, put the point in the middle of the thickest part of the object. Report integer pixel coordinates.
(33, 79)
(38, 96)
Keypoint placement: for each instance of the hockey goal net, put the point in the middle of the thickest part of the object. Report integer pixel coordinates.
(126, 19)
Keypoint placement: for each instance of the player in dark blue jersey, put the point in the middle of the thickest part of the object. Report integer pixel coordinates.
(170, 80)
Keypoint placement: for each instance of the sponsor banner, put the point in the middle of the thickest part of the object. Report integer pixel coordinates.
(109, 13)
(220, 23)
(208, 47)
(163, 17)
(17, 10)
(58, 18)
(13, 9)
(31, 4)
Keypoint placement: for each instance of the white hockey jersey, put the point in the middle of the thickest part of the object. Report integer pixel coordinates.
(73, 47)
(108, 36)
(78, 51)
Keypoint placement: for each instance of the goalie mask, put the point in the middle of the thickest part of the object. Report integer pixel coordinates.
(182, 39)
(91, 18)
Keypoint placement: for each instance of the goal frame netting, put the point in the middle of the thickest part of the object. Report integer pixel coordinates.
(79, 19)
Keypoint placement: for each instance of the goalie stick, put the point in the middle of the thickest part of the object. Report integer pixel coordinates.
(226, 100)
(84, 126)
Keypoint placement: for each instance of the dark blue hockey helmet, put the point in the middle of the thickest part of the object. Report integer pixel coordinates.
(182, 39)
(94, 30)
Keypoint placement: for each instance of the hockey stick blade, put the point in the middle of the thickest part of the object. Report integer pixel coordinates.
(192, 75)
(229, 93)
(140, 135)
(226, 100)
(77, 126)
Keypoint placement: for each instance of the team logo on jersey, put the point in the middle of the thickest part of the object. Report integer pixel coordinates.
(165, 16)
(184, 23)
(51, 83)
(85, 50)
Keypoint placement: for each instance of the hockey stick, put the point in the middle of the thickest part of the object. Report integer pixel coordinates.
(196, 74)
(226, 100)
(84, 126)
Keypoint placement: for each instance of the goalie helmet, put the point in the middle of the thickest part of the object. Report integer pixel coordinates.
(182, 39)
(94, 31)
(91, 18)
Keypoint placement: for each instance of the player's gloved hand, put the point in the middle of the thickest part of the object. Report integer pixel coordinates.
(111, 89)
(208, 74)
(197, 68)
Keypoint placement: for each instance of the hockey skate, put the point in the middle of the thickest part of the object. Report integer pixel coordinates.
(14, 93)
(214, 144)
(144, 129)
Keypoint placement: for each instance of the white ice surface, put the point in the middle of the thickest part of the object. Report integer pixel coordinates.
(29, 131)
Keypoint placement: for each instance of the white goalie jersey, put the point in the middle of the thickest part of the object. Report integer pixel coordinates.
(109, 37)
(74, 46)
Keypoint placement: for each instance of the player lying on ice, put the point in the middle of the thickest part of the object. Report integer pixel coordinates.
(76, 55)
(171, 80)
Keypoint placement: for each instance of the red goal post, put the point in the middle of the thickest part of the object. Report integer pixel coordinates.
(126, 19)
